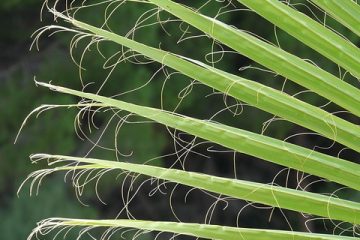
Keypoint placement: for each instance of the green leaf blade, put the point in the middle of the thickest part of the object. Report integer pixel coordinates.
(310, 32)
(301, 201)
(258, 95)
(273, 150)
(288, 65)
(346, 12)
(192, 229)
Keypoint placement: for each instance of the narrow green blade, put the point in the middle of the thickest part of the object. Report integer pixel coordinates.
(301, 201)
(273, 150)
(310, 32)
(255, 94)
(190, 229)
(282, 62)
(346, 12)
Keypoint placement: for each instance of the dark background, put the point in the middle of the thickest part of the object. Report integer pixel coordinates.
(53, 132)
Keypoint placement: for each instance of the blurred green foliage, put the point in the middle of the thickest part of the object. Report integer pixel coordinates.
(21, 213)
(17, 4)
